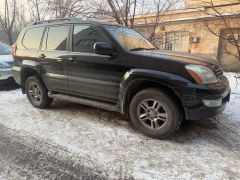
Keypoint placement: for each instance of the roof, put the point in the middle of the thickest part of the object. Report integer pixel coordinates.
(69, 20)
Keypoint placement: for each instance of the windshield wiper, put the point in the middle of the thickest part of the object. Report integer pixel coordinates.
(141, 48)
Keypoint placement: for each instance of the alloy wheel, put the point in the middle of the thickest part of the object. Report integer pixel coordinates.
(35, 93)
(152, 114)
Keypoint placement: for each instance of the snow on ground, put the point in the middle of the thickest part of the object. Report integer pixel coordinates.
(108, 142)
(234, 108)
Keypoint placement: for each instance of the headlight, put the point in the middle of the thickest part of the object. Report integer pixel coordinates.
(202, 74)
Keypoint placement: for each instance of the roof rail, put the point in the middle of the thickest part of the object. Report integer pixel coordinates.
(51, 21)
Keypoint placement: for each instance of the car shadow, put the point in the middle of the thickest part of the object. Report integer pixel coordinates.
(8, 85)
(220, 131)
(105, 116)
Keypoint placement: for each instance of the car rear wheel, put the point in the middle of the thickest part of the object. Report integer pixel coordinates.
(37, 93)
(155, 113)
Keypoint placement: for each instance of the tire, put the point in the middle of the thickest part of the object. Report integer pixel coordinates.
(37, 93)
(155, 113)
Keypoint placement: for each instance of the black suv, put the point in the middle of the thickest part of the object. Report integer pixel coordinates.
(115, 68)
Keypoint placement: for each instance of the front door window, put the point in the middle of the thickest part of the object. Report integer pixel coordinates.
(84, 38)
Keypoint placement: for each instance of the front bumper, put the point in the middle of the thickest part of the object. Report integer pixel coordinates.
(6, 74)
(193, 100)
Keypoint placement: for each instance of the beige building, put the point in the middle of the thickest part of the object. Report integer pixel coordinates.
(200, 3)
(197, 29)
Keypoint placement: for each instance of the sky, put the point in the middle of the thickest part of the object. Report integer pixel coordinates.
(24, 1)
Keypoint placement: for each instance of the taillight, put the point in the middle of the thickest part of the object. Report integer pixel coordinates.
(14, 50)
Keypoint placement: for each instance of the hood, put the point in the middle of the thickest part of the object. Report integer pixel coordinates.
(184, 58)
(6, 58)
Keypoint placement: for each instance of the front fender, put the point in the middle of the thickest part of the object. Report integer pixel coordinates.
(169, 80)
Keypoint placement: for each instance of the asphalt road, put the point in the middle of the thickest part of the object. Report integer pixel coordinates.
(34, 159)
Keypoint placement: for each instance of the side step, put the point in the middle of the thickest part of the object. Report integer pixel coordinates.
(83, 101)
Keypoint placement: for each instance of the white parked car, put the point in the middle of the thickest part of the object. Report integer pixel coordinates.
(6, 62)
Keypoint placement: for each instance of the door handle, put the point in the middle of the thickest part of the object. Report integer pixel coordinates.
(42, 56)
(74, 59)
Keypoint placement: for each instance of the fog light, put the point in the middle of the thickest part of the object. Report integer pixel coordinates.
(212, 103)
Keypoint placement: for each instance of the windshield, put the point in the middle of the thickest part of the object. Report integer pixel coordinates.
(5, 49)
(130, 39)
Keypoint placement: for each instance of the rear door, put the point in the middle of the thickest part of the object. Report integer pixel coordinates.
(52, 55)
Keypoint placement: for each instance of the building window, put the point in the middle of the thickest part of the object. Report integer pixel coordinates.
(177, 41)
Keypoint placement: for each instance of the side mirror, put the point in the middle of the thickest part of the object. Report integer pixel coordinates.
(103, 48)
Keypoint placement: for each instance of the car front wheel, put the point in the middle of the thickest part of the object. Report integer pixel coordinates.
(155, 113)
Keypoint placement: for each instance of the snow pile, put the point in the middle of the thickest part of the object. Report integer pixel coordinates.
(233, 107)
(234, 81)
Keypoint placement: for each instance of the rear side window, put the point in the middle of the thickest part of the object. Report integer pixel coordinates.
(32, 38)
(55, 38)
(84, 37)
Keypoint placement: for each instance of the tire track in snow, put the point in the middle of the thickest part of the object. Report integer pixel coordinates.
(20, 160)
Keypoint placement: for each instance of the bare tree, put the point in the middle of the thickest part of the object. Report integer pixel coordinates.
(233, 37)
(159, 8)
(70, 8)
(8, 17)
(128, 12)
(122, 11)
(21, 18)
(38, 9)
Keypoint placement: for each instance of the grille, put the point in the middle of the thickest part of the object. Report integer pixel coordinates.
(218, 70)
